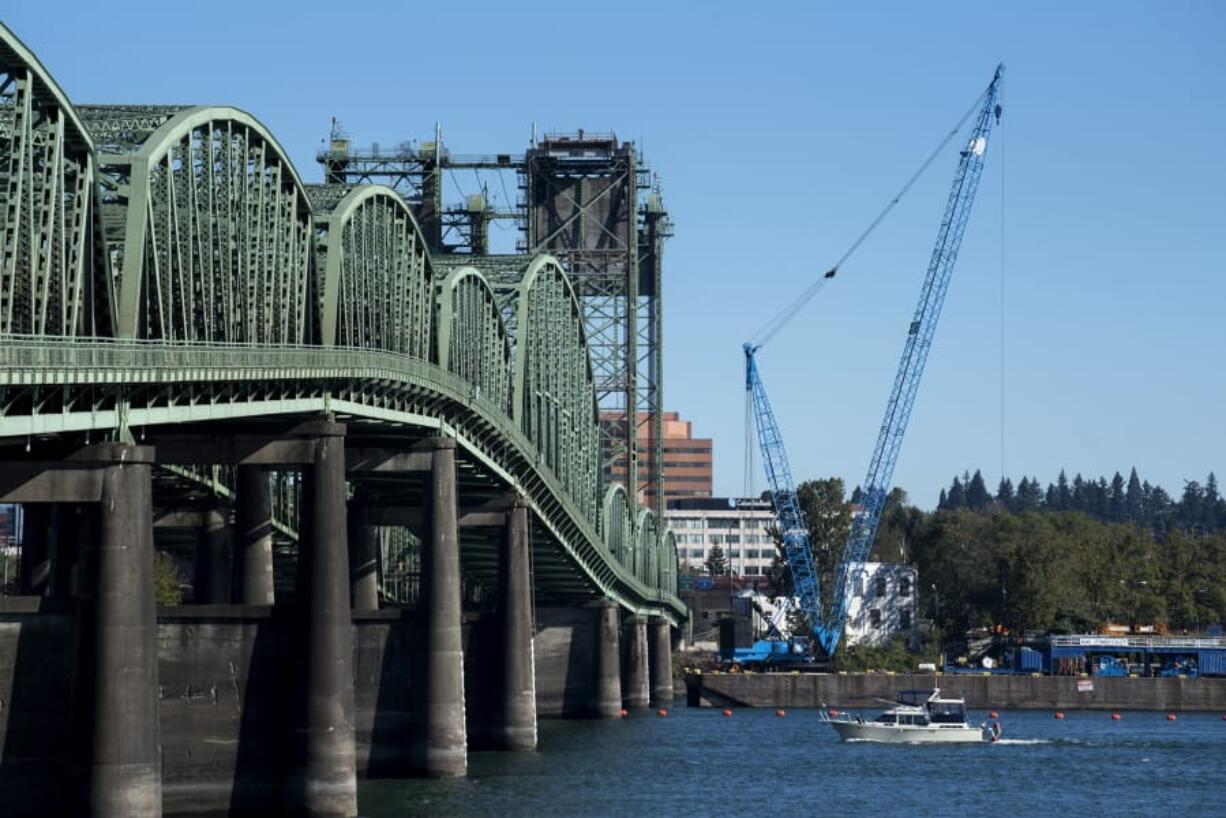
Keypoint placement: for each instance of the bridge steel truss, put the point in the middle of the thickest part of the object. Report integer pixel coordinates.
(166, 268)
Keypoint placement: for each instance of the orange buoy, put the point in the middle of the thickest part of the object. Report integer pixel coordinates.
(994, 714)
(1115, 717)
(1170, 716)
(625, 712)
(727, 712)
(661, 712)
(780, 713)
(1059, 714)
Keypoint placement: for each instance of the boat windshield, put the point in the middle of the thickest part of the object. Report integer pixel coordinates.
(947, 712)
(915, 698)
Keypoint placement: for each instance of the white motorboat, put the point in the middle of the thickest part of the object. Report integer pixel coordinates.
(918, 717)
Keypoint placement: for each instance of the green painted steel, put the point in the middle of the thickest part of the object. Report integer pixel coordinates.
(48, 205)
(193, 277)
(208, 225)
(472, 339)
(378, 283)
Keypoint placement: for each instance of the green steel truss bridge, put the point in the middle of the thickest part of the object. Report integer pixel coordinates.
(166, 275)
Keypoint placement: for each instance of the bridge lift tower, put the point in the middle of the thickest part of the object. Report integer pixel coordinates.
(590, 201)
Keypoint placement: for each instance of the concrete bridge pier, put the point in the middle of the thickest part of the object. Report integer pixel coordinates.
(252, 557)
(363, 556)
(637, 691)
(211, 582)
(660, 659)
(439, 738)
(607, 687)
(325, 783)
(514, 719)
(115, 696)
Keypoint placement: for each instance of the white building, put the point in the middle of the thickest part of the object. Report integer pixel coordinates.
(881, 602)
(737, 525)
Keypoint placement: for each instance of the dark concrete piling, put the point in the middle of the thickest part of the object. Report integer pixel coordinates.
(211, 582)
(607, 687)
(115, 718)
(252, 562)
(660, 660)
(363, 557)
(326, 781)
(38, 531)
(439, 740)
(513, 724)
(636, 693)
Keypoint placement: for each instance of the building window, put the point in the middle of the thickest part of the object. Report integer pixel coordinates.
(874, 618)
(904, 588)
(880, 586)
(904, 620)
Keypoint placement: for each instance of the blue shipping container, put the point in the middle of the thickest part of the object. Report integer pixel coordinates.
(1030, 660)
(1213, 662)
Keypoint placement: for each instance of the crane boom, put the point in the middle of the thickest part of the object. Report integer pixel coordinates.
(918, 343)
(827, 626)
(793, 529)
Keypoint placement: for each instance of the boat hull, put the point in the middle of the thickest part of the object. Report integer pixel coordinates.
(901, 734)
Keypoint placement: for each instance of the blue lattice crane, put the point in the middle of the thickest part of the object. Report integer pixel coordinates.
(827, 625)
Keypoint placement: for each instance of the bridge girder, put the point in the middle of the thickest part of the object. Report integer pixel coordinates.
(49, 225)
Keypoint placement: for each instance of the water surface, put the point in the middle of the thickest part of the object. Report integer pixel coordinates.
(698, 762)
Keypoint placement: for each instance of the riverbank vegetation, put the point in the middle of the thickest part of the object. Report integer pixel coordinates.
(1068, 557)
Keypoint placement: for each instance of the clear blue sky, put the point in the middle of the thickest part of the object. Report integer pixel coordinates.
(778, 130)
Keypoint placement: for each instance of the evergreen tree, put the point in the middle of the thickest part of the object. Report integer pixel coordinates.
(1005, 495)
(1118, 502)
(1101, 497)
(1078, 500)
(1191, 504)
(977, 496)
(1064, 497)
(1029, 495)
(1213, 506)
(942, 501)
(1132, 498)
(957, 495)
(716, 562)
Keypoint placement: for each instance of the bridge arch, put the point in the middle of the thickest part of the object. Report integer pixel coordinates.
(53, 279)
(647, 531)
(472, 338)
(377, 286)
(668, 563)
(554, 397)
(615, 525)
(212, 225)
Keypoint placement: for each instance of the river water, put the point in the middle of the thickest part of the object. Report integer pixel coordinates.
(697, 762)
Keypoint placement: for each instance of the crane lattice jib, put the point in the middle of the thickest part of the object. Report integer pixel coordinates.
(923, 326)
(788, 515)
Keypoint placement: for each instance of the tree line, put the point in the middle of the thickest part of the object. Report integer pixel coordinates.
(1085, 557)
(1200, 508)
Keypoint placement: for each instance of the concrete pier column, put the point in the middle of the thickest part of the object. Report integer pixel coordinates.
(514, 719)
(115, 715)
(326, 782)
(660, 660)
(252, 558)
(636, 692)
(363, 557)
(439, 741)
(212, 577)
(607, 687)
(37, 535)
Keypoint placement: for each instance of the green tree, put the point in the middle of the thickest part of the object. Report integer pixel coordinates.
(977, 496)
(716, 562)
(167, 582)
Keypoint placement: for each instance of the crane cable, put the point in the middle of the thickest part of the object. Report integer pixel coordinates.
(781, 319)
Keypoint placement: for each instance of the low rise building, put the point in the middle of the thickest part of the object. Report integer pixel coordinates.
(881, 603)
